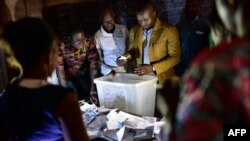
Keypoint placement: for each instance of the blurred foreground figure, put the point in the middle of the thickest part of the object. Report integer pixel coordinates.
(31, 109)
(215, 91)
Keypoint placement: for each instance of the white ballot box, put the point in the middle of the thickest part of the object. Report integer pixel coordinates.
(128, 92)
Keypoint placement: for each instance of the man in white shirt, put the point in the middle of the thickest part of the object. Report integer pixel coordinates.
(112, 41)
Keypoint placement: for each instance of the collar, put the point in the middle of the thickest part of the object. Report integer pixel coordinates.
(147, 31)
(105, 33)
(157, 24)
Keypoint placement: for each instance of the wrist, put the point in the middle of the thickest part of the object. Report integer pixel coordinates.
(93, 92)
(128, 56)
(153, 68)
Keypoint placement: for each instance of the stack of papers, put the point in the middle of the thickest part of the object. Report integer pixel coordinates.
(114, 125)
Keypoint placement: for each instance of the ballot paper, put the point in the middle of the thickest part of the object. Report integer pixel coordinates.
(135, 122)
(85, 106)
(130, 134)
(114, 121)
(113, 125)
(130, 126)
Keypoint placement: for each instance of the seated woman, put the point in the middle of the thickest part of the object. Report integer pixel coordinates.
(32, 109)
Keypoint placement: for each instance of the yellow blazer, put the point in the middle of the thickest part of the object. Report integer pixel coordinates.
(164, 48)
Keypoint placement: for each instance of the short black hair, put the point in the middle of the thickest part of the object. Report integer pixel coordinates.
(74, 28)
(106, 9)
(29, 38)
(142, 5)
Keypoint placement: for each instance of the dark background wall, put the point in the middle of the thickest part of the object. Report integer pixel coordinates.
(87, 13)
(62, 13)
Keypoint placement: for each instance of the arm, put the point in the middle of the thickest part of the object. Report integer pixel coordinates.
(133, 49)
(60, 66)
(92, 55)
(173, 48)
(69, 115)
(61, 76)
(126, 39)
(132, 52)
(104, 68)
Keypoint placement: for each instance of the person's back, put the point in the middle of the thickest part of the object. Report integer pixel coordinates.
(28, 114)
(30, 107)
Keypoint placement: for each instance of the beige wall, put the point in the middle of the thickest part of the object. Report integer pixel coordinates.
(22, 8)
(5, 14)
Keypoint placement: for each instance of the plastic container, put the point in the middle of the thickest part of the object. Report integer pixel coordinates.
(128, 92)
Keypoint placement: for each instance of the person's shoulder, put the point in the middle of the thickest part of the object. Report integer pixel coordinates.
(89, 42)
(97, 34)
(56, 88)
(236, 46)
(167, 28)
(57, 91)
(88, 38)
(135, 27)
(165, 24)
(203, 21)
(120, 26)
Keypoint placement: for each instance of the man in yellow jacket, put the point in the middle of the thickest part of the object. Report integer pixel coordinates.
(155, 44)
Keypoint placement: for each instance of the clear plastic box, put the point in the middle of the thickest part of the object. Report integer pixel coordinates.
(128, 92)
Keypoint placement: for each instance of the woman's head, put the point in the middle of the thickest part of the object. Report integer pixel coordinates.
(32, 42)
(235, 15)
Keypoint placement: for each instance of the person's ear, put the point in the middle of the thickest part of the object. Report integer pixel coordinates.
(154, 13)
(48, 64)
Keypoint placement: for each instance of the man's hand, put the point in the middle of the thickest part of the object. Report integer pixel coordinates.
(112, 72)
(94, 98)
(122, 60)
(144, 69)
